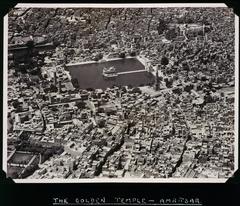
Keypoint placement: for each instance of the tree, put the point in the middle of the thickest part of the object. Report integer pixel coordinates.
(53, 88)
(169, 84)
(24, 136)
(124, 90)
(188, 88)
(30, 44)
(75, 83)
(208, 98)
(56, 43)
(122, 55)
(133, 53)
(45, 76)
(90, 89)
(136, 90)
(16, 104)
(204, 78)
(165, 80)
(101, 123)
(130, 86)
(177, 91)
(95, 59)
(81, 104)
(98, 57)
(164, 61)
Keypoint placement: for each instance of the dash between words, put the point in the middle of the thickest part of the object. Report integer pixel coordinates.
(127, 200)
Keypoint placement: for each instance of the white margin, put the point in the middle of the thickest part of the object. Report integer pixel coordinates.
(125, 180)
(5, 97)
(236, 94)
(105, 5)
(114, 180)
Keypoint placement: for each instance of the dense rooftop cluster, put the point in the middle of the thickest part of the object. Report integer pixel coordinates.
(184, 127)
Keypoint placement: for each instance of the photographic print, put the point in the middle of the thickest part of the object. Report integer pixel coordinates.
(100, 93)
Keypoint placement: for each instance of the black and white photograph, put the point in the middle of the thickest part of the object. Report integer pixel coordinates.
(120, 93)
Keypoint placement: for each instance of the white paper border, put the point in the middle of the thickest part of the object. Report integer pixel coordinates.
(105, 5)
(5, 83)
(119, 180)
(236, 100)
